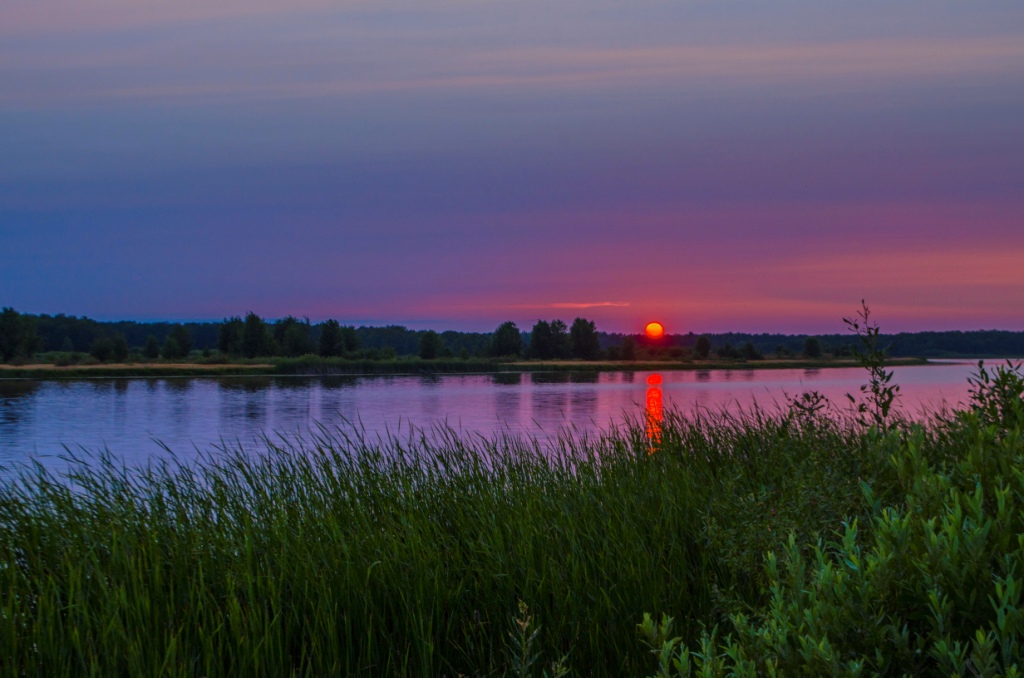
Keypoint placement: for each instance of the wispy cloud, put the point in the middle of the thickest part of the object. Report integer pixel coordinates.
(255, 65)
(588, 304)
(573, 304)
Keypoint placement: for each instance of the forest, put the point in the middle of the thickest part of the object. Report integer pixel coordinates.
(57, 338)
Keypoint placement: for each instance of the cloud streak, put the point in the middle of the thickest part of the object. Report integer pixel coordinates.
(263, 67)
(572, 305)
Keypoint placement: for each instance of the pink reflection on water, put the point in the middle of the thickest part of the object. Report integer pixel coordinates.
(128, 416)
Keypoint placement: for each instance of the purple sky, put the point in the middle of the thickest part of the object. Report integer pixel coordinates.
(713, 165)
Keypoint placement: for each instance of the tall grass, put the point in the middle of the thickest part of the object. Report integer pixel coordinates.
(436, 554)
(340, 554)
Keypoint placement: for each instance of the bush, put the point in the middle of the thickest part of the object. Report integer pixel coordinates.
(750, 352)
(729, 352)
(102, 349)
(929, 583)
(702, 349)
(171, 349)
(812, 347)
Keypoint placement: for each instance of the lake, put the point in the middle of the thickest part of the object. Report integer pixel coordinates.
(133, 418)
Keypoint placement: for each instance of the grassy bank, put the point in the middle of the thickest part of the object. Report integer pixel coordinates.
(315, 365)
(895, 546)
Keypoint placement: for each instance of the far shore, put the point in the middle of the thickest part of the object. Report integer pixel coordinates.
(308, 367)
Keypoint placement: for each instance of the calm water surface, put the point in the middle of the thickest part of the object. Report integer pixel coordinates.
(131, 417)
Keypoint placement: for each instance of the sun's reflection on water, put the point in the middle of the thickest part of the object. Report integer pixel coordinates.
(655, 411)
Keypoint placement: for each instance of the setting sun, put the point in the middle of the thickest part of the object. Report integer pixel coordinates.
(654, 330)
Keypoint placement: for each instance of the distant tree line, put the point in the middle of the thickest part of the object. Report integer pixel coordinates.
(18, 335)
(549, 340)
(250, 336)
(737, 345)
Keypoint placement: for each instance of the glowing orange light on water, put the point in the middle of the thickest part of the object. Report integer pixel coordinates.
(654, 330)
(655, 411)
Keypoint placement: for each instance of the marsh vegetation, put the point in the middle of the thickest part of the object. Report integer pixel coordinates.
(795, 541)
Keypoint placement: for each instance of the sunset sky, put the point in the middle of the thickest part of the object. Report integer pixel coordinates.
(715, 165)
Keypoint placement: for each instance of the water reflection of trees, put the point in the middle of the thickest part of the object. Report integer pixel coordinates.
(15, 397)
(177, 386)
(550, 377)
(337, 397)
(243, 398)
(507, 378)
(549, 405)
(507, 401)
(337, 382)
(584, 402)
(12, 389)
(246, 384)
(430, 398)
(507, 404)
(179, 398)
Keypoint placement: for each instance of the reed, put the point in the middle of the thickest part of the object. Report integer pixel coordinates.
(436, 553)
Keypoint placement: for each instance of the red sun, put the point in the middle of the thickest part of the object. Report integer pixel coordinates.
(654, 330)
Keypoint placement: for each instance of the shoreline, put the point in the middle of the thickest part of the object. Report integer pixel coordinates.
(306, 368)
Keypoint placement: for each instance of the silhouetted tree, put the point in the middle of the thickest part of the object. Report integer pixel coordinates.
(255, 341)
(171, 349)
(350, 338)
(332, 343)
(18, 335)
(119, 351)
(102, 348)
(812, 347)
(506, 340)
(229, 336)
(702, 349)
(152, 348)
(629, 348)
(182, 338)
(583, 338)
(750, 352)
(10, 333)
(728, 351)
(560, 343)
(431, 345)
(292, 336)
(542, 346)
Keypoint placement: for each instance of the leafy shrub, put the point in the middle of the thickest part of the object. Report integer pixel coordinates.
(929, 584)
(102, 349)
(996, 399)
(880, 392)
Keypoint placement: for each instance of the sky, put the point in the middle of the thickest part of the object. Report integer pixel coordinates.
(717, 165)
